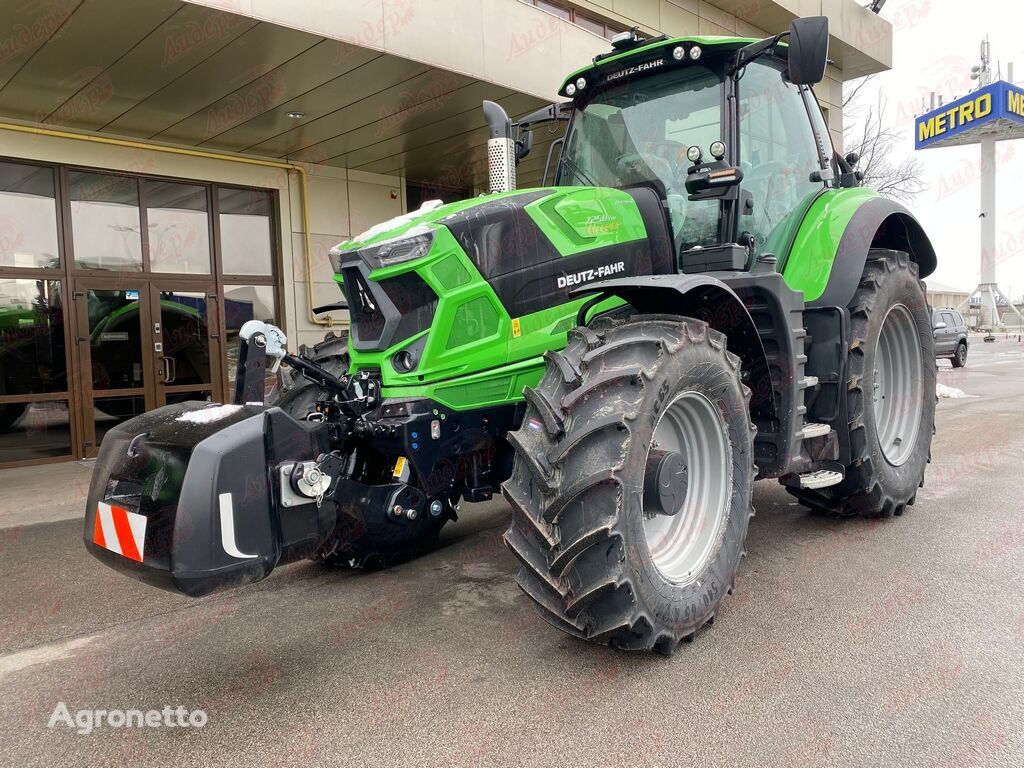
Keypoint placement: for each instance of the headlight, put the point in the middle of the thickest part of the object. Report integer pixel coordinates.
(399, 250)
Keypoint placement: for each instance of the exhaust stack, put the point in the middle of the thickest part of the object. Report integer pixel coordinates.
(501, 149)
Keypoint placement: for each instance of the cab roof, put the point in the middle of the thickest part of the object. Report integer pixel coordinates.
(616, 61)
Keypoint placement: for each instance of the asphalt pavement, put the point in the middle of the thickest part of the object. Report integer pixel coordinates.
(847, 642)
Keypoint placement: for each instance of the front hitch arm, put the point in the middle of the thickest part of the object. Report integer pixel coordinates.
(270, 341)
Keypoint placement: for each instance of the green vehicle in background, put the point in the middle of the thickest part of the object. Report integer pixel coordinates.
(706, 296)
(32, 346)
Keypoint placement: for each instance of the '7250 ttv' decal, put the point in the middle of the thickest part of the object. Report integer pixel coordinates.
(587, 275)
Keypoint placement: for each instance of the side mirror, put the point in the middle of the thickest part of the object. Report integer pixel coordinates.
(940, 325)
(524, 143)
(808, 50)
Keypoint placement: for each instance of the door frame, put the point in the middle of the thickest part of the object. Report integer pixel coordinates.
(214, 335)
(83, 355)
(70, 276)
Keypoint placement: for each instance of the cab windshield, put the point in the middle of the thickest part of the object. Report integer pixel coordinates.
(638, 132)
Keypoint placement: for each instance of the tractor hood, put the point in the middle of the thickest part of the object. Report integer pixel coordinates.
(425, 217)
(446, 280)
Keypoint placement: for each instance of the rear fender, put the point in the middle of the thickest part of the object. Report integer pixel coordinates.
(831, 248)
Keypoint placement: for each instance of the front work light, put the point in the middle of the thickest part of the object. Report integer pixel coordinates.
(399, 250)
(695, 52)
(694, 154)
(581, 83)
(717, 149)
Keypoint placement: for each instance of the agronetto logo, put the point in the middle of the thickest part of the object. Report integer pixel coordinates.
(85, 721)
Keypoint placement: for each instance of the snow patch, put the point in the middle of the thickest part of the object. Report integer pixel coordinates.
(209, 415)
(941, 390)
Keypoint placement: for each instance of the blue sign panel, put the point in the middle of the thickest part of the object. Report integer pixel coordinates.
(950, 123)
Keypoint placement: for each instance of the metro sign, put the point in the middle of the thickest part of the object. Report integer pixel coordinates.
(995, 111)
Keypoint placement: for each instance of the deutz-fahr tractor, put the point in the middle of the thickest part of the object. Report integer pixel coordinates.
(705, 296)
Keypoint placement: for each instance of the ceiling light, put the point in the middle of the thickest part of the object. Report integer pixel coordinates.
(296, 115)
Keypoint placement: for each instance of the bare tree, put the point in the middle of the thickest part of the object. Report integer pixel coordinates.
(877, 143)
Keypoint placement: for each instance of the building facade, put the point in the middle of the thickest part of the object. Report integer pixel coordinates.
(171, 169)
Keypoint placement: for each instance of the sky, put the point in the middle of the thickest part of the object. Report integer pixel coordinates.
(935, 43)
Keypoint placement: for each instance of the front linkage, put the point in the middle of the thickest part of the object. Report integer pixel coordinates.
(207, 497)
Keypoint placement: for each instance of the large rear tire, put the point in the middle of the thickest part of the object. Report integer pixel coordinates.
(890, 393)
(631, 490)
(369, 541)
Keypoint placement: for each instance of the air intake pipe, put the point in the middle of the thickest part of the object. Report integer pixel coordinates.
(501, 149)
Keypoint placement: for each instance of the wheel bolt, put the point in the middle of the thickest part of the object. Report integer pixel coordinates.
(411, 513)
(435, 508)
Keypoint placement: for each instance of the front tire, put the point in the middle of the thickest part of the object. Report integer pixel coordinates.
(614, 547)
(890, 393)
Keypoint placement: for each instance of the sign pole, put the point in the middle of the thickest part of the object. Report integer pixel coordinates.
(989, 310)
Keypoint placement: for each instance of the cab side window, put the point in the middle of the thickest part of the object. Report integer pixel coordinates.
(778, 154)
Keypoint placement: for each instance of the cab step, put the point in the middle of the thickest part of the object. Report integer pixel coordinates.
(823, 478)
(814, 430)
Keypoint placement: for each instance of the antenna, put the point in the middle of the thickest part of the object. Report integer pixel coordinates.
(983, 72)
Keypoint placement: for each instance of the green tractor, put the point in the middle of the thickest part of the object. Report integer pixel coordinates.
(706, 296)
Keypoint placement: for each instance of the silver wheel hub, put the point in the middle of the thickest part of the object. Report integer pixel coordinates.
(897, 385)
(687, 487)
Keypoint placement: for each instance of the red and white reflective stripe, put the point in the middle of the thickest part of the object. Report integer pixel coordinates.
(120, 531)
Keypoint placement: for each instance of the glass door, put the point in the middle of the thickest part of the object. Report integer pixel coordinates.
(115, 353)
(186, 343)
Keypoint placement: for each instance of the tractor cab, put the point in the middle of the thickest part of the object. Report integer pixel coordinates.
(726, 130)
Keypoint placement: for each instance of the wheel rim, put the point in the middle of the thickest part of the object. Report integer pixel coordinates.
(897, 385)
(961, 353)
(681, 544)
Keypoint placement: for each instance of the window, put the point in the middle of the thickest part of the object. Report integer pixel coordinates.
(243, 303)
(105, 223)
(245, 231)
(580, 18)
(620, 140)
(178, 226)
(28, 217)
(31, 337)
(778, 153)
(34, 416)
(192, 257)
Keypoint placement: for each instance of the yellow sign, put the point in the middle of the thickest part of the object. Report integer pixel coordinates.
(1015, 103)
(955, 117)
(515, 327)
(399, 468)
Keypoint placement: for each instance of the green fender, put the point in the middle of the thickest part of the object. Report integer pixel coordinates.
(840, 227)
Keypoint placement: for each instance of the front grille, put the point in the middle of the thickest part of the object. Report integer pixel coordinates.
(364, 310)
(387, 312)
